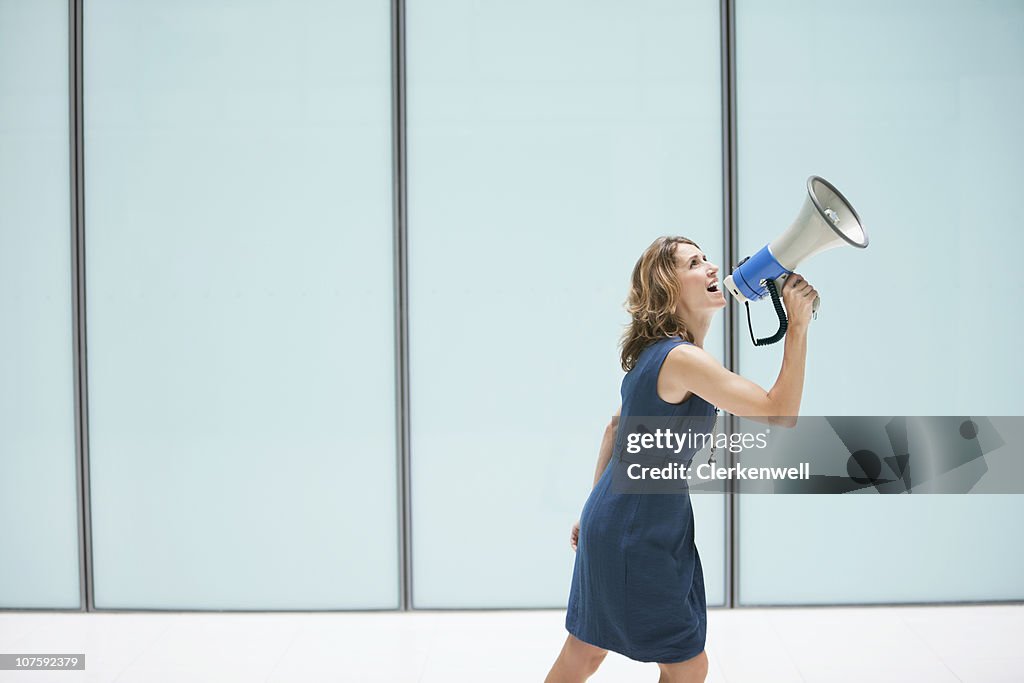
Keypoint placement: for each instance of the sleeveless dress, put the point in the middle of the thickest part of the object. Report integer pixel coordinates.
(637, 584)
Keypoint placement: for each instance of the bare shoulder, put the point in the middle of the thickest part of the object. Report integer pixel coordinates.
(688, 355)
(682, 365)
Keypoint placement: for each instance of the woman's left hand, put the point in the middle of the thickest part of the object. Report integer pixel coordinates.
(574, 535)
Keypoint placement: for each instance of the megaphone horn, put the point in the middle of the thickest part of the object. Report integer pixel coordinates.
(825, 221)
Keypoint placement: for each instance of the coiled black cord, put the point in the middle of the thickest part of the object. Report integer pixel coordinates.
(779, 310)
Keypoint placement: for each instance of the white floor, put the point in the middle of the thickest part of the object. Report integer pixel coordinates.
(929, 644)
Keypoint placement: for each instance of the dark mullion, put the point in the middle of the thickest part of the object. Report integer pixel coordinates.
(401, 271)
(77, 190)
(727, 10)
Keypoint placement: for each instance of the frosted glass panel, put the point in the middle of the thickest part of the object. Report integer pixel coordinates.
(38, 490)
(238, 194)
(922, 133)
(549, 144)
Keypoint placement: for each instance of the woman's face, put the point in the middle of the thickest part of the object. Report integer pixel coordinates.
(696, 276)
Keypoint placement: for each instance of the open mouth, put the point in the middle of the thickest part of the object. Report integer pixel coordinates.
(713, 287)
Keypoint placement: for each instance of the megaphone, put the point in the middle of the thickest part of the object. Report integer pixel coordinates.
(825, 221)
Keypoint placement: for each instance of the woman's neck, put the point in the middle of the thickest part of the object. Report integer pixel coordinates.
(698, 325)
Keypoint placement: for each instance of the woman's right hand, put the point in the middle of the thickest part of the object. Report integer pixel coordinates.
(574, 535)
(798, 295)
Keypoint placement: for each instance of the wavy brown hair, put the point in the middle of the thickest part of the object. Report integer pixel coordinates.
(652, 300)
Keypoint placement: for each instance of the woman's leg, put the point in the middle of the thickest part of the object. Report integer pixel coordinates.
(693, 670)
(576, 662)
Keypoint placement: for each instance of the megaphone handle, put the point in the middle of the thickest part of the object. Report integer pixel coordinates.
(779, 310)
(780, 283)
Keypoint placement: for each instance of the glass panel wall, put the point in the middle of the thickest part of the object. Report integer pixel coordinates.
(38, 487)
(914, 113)
(549, 144)
(240, 302)
(240, 287)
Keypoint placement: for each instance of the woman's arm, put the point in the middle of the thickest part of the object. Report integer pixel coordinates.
(603, 456)
(607, 444)
(690, 368)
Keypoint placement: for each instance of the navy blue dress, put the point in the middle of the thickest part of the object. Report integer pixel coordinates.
(637, 585)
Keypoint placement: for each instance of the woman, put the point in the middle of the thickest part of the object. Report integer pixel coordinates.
(637, 585)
